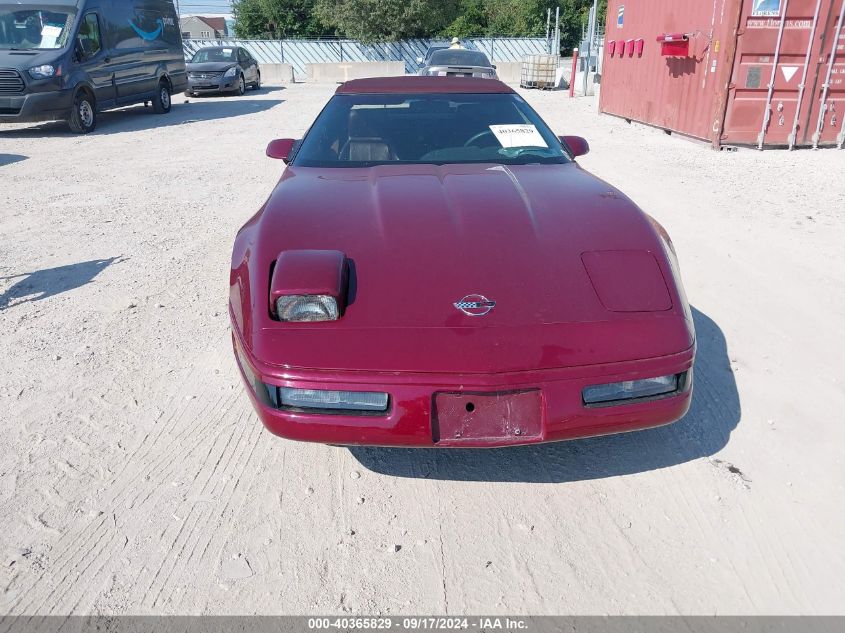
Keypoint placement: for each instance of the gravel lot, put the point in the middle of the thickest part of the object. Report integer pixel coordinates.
(135, 478)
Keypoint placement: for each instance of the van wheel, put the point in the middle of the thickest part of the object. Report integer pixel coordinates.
(83, 116)
(161, 102)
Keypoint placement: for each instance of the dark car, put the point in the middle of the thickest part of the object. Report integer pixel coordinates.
(70, 59)
(435, 269)
(423, 61)
(459, 62)
(217, 69)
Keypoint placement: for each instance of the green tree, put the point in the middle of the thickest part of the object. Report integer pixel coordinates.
(250, 21)
(519, 18)
(277, 18)
(386, 20)
(471, 20)
(383, 20)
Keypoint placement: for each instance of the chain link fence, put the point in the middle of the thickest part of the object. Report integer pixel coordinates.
(299, 52)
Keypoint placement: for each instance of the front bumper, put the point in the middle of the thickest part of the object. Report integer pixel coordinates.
(411, 418)
(208, 86)
(36, 106)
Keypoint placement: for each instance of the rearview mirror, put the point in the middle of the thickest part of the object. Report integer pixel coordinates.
(281, 148)
(577, 145)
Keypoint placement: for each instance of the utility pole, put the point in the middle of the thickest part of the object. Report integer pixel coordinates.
(591, 33)
(557, 32)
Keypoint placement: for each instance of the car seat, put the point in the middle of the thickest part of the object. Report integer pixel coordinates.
(364, 145)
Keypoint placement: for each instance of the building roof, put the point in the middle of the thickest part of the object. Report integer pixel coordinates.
(416, 84)
(215, 23)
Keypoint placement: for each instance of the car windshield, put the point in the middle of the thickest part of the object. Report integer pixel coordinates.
(433, 49)
(215, 55)
(366, 130)
(24, 28)
(455, 57)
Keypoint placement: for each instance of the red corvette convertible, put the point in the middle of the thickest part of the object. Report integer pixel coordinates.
(434, 269)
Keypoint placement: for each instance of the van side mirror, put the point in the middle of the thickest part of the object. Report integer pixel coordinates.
(281, 148)
(577, 145)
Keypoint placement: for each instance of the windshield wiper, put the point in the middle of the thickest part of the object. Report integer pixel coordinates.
(516, 152)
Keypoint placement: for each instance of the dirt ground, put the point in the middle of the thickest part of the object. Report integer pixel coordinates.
(135, 478)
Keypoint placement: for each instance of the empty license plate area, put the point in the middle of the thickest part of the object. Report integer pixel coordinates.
(478, 417)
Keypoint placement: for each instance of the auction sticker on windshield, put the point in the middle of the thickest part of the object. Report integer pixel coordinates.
(518, 135)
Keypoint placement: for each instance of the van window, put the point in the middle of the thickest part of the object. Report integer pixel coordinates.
(34, 28)
(89, 35)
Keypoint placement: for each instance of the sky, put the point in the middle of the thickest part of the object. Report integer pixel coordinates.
(205, 6)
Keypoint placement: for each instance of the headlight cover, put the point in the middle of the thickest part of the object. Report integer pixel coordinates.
(45, 71)
(620, 392)
(231, 72)
(307, 308)
(329, 400)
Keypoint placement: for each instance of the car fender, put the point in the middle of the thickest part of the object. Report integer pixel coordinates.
(82, 83)
(674, 267)
(162, 74)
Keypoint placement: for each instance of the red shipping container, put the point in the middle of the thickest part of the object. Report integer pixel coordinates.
(762, 73)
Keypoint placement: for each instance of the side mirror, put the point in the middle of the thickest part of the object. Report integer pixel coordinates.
(577, 145)
(420, 60)
(281, 148)
(495, 67)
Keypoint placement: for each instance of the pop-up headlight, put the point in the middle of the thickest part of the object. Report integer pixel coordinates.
(309, 286)
(297, 308)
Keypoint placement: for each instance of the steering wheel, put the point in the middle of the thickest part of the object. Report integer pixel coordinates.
(475, 137)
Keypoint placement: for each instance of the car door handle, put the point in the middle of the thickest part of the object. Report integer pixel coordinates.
(107, 60)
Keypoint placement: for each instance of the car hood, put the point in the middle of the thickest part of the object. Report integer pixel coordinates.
(25, 59)
(210, 67)
(421, 238)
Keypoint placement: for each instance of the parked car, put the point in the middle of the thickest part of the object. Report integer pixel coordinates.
(434, 269)
(423, 61)
(222, 69)
(459, 62)
(71, 59)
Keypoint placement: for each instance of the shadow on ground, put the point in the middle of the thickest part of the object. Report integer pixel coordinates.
(49, 282)
(139, 117)
(705, 430)
(8, 159)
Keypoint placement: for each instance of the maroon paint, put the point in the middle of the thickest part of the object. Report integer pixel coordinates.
(421, 237)
(280, 148)
(461, 418)
(577, 144)
(417, 84)
(309, 272)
